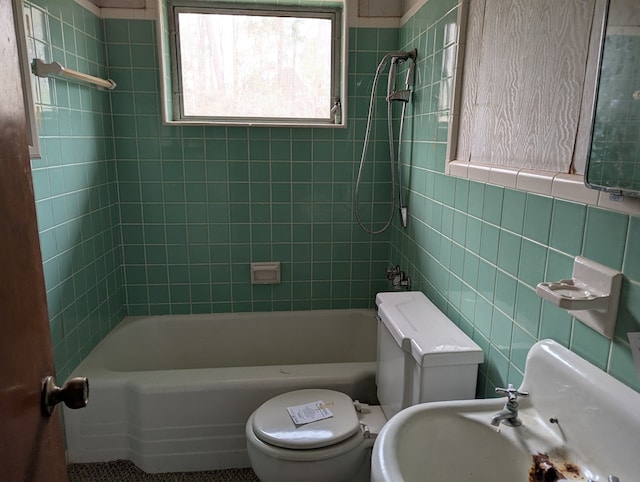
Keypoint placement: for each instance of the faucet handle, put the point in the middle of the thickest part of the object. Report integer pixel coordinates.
(511, 392)
(393, 272)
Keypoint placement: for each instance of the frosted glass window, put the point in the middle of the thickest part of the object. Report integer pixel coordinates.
(256, 65)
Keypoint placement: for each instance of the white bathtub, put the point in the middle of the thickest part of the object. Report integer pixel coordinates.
(173, 393)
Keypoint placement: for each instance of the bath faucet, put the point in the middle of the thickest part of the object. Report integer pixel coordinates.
(393, 273)
(509, 414)
(398, 278)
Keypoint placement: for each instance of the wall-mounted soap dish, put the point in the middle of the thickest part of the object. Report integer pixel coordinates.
(265, 273)
(570, 294)
(591, 295)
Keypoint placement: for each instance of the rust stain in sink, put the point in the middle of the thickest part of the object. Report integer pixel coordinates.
(545, 470)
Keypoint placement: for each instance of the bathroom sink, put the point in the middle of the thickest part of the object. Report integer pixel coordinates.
(428, 446)
(578, 424)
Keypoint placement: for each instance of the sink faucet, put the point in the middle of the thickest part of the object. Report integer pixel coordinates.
(509, 414)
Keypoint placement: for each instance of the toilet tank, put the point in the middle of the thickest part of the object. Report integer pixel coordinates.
(422, 355)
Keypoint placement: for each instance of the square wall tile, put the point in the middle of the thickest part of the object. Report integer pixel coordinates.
(505, 293)
(489, 242)
(533, 257)
(520, 345)
(567, 226)
(537, 218)
(486, 279)
(631, 265)
(528, 306)
(513, 210)
(501, 330)
(590, 345)
(493, 204)
(476, 198)
(509, 250)
(555, 323)
(605, 237)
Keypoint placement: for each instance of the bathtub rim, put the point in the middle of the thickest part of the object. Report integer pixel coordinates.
(95, 360)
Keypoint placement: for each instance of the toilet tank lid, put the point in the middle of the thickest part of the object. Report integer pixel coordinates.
(421, 329)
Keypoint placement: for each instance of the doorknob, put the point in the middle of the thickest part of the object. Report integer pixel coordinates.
(74, 393)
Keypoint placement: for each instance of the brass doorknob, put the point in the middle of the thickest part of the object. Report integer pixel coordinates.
(74, 393)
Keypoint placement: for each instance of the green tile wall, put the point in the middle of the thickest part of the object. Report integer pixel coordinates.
(75, 183)
(478, 250)
(198, 204)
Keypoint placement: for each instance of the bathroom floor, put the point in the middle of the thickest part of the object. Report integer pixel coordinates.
(126, 471)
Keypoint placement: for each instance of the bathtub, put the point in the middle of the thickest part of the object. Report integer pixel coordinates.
(173, 393)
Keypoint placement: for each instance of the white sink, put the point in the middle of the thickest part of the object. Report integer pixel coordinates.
(597, 432)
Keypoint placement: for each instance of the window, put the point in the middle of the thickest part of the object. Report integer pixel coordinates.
(242, 64)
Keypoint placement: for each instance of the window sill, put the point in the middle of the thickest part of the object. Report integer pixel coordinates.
(569, 187)
(252, 124)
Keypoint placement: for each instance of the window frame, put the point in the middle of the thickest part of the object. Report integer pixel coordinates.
(335, 111)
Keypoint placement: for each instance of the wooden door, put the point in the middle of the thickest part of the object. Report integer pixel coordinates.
(31, 446)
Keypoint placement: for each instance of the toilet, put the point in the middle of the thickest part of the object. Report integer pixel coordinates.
(422, 356)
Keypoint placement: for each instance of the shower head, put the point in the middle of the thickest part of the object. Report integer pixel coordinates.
(409, 80)
(391, 78)
(397, 58)
(399, 95)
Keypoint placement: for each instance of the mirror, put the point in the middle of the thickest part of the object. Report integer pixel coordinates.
(614, 158)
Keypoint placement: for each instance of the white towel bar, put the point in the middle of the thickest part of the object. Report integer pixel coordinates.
(42, 69)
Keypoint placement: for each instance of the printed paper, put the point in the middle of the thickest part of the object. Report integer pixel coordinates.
(309, 412)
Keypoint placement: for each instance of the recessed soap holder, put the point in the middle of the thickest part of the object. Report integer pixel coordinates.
(591, 295)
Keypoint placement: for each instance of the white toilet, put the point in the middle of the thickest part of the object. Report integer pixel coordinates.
(422, 357)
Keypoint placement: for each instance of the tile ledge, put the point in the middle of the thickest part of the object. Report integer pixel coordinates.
(569, 187)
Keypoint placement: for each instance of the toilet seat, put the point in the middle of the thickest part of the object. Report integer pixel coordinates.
(272, 424)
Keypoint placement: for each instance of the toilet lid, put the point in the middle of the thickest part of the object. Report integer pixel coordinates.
(273, 425)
